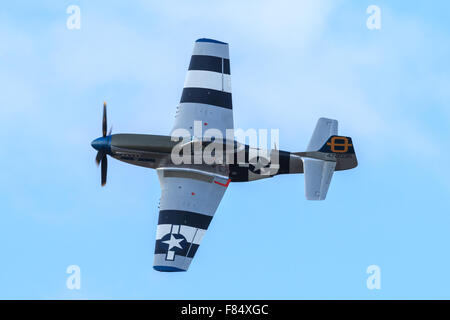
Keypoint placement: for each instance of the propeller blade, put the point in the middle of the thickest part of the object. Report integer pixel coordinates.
(110, 131)
(99, 157)
(104, 169)
(104, 124)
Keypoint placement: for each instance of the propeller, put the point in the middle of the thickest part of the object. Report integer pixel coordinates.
(100, 145)
(104, 121)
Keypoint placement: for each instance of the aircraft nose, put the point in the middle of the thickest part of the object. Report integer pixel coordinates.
(102, 143)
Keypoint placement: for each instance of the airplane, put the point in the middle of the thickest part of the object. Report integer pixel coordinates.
(192, 190)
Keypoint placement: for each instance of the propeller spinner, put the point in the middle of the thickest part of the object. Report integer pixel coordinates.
(103, 146)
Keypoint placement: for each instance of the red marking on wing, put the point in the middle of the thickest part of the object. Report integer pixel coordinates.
(223, 184)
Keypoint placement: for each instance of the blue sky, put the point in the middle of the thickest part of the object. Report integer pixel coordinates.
(291, 63)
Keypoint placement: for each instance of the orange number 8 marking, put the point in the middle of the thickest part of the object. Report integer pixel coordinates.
(341, 142)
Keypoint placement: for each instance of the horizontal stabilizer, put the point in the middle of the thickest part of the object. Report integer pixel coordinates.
(325, 128)
(318, 174)
(326, 152)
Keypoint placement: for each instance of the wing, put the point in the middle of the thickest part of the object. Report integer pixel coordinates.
(206, 94)
(189, 199)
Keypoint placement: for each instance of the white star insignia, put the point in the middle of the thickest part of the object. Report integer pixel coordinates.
(174, 242)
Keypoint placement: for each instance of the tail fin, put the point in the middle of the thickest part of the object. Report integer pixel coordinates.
(342, 151)
(326, 152)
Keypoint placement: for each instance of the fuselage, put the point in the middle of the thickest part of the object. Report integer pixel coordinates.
(237, 161)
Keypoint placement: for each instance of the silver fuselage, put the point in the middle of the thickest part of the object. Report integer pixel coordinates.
(155, 151)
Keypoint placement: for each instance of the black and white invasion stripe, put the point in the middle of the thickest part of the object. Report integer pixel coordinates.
(208, 78)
